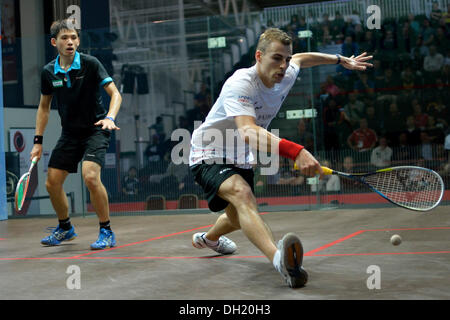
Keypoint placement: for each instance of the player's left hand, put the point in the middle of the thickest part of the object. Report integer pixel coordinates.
(357, 63)
(107, 124)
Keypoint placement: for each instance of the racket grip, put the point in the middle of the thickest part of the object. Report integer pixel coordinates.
(326, 171)
(35, 159)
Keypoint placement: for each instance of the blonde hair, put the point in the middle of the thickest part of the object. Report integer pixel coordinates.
(271, 35)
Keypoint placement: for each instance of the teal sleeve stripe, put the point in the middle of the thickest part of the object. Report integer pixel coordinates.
(107, 80)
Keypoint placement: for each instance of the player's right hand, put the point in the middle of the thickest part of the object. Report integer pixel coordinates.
(308, 165)
(36, 152)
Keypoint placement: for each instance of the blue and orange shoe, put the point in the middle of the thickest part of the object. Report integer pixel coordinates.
(106, 239)
(59, 235)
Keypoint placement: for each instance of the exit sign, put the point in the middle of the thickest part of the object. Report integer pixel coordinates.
(219, 42)
(300, 114)
(305, 34)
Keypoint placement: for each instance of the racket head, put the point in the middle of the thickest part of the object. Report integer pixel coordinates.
(410, 187)
(21, 191)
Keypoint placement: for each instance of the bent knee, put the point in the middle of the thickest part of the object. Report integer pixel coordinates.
(240, 192)
(91, 180)
(52, 184)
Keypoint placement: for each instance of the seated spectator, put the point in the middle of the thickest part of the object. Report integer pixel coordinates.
(369, 44)
(393, 123)
(364, 84)
(330, 87)
(419, 49)
(408, 78)
(427, 32)
(407, 39)
(304, 137)
(130, 183)
(403, 154)
(332, 118)
(389, 86)
(377, 74)
(388, 46)
(354, 109)
(158, 128)
(202, 105)
(362, 139)
(294, 24)
(426, 149)
(446, 15)
(337, 27)
(433, 63)
(373, 120)
(349, 185)
(415, 25)
(324, 36)
(329, 183)
(435, 14)
(349, 48)
(381, 156)
(420, 118)
(441, 40)
(412, 132)
(359, 34)
(447, 144)
(435, 133)
(286, 181)
(183, 123)
(440, 112)
(154, 152)
(355, 18)
(441, 90)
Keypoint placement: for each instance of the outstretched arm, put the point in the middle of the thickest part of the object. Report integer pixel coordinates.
(311, 59)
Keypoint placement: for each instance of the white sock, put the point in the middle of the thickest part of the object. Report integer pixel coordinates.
(209, 242)
(276, 260)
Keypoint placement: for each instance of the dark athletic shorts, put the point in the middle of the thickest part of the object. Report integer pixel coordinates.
(211, 176)
(70, 150)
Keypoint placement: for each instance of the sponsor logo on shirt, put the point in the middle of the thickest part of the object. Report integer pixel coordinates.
(57, 83)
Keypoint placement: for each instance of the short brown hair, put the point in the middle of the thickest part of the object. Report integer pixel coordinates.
(59, 25)
(271, 35)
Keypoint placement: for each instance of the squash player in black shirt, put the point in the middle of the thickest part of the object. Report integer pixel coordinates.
(74, 80)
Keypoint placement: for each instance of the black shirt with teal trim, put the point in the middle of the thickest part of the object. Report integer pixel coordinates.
(77, 92)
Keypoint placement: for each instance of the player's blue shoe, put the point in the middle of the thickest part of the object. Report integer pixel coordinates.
(58, 235)
(106, 239)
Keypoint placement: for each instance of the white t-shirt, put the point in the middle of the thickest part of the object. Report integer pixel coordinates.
(381, 157)
(243, 94)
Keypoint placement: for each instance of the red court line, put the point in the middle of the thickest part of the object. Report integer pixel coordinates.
(148, 240)
(53, 258)
(2, 239)
(312, 252)
(139, 242)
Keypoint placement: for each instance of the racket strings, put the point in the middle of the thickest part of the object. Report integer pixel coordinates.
(414, 188)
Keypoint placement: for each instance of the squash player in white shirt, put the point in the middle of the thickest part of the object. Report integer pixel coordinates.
(249, 100)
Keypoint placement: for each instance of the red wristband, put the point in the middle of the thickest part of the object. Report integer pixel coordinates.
(289, 149)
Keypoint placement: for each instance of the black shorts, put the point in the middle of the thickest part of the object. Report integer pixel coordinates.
(70, 150)
(211, 176)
